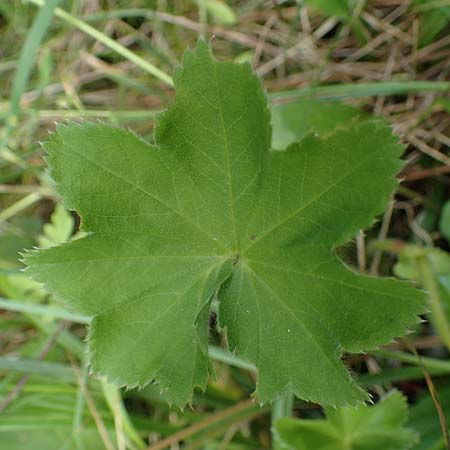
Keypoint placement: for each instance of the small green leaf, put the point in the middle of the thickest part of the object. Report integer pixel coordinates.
(211, 210)
(58, 230)
(348, 428)
(220, 12)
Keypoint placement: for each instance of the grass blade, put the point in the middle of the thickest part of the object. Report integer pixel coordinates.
(47, 369)
(111, 43)
(358, 90)
(50, 311)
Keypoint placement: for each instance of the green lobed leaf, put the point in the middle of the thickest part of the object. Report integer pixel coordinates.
(210, 210)
(348, 428)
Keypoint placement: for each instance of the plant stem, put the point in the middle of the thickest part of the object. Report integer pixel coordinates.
(19, 206)
(428, 363)
(438, 312)
(281, 408)
(77, 424)
(44, 310)
(123, 424)
(221, 355)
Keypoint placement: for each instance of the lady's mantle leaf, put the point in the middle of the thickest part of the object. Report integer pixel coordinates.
(292, 121)
(365, 428)
(211, 208)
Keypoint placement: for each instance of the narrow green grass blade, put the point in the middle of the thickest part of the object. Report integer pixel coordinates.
(221, 355)
(357, 90)
(111, 43)
(47, 369)
(50, 311)
(119, 115)
(29, 50)
(427, 362)
(22, 75)
(114, 400)
(282, 407)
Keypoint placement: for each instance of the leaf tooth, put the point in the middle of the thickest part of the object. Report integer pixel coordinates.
(257, 399)
(22, 257)
(86, 338)
(188, 57)
(137, 383)
(370, 399)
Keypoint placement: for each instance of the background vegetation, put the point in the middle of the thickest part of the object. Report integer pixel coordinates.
(111, 60)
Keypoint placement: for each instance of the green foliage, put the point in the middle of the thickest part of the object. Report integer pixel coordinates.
(293, 121)
(406, 268)
(364, 428)
(340, 8)
(12, 243)
(219, 11)
(58, 230)
(444, 223)
(344, 9)
(45, 420)
(424, 419)
(434, 17)
(210, 211)
(431, 268)
(439, 263)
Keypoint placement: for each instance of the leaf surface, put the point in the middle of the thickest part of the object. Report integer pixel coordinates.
(348, 428)
(211, 210)
(293, 121)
